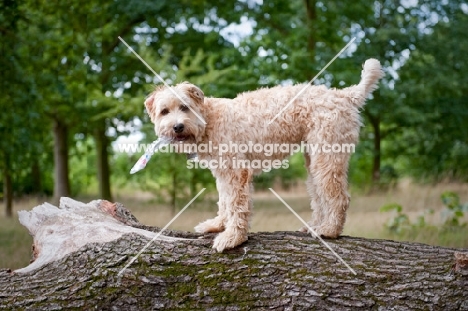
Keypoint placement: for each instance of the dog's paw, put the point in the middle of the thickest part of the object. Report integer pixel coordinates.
(310, 225)
(210, 225)
(307, 229)
(321, 231)
(229, 239)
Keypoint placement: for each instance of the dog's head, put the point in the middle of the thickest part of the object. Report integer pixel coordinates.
(177, 112)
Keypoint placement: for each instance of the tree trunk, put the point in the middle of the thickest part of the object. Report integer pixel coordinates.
(7, 190)
(193, 185)
(375, 123)
(36, 177)
(377, 153)
(174, 193)
(61, 169)
(81, 251)
(174, 186)
(310, 6)
(102, 158)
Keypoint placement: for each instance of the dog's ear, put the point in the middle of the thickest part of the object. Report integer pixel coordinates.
(196, 93)
(149, 104)
(193, 91)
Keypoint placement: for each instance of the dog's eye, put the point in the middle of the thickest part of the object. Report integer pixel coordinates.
(184, 108)
(164, 111)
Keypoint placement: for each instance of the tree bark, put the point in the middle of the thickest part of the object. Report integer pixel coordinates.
(174, 192)
(377, 152)
(174, 186)
(61, 168)
(278, 270)
(102, 158)
(310, 6)
(7, 190)
(36, 177)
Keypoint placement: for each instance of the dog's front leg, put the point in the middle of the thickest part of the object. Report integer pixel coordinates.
(235, 186)
(216, 224)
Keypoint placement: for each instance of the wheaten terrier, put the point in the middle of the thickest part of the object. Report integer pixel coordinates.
(317, 116)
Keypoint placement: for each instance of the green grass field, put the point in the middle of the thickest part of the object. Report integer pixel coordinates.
(364, 218)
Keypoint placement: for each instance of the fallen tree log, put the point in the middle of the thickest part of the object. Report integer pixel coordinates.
(81, 250)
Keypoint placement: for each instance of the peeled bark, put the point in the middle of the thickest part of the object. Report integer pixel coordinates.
(278, 270)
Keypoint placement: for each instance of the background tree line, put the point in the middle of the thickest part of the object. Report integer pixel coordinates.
(70, 88)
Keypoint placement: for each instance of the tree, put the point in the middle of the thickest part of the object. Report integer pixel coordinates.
(67, 77)
(20, 124)
(281, 270)
(7, 36)
(78, 67)
(291, 41)
(402, 34)
(434, 87)
(51, 34)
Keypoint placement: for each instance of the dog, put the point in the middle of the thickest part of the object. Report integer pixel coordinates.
(274, 115)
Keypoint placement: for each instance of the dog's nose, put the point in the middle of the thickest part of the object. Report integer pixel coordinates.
(178, 128)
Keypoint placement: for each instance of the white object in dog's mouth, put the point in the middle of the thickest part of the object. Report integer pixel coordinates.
(154, 147)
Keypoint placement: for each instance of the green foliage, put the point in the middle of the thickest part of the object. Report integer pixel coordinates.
(454, 211)
(284, 177)
(434, 87)
(400, 221)
(400, 225)
(360, 166)
(82, 169)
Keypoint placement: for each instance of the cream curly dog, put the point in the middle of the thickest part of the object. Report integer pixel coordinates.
(318, 116)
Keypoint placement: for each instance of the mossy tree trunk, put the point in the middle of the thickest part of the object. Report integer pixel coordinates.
(278, 270)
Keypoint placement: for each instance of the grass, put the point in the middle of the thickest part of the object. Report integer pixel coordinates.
(15, 241)
(364, 218)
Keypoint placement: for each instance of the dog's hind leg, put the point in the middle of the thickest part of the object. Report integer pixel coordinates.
(328, 175)
(315, 203)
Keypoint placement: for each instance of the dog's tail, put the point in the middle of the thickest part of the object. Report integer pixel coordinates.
(371, 74)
